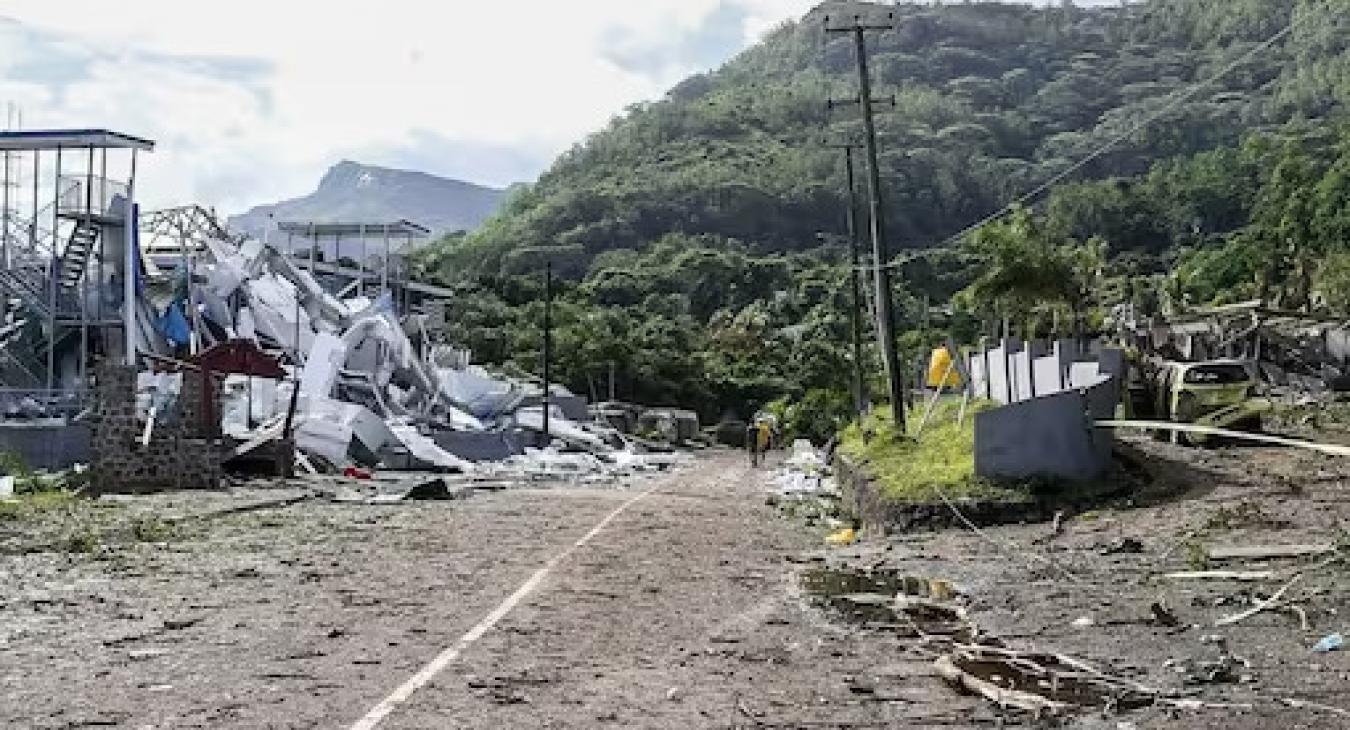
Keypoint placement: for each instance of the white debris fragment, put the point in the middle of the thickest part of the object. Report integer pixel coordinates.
(804, 472)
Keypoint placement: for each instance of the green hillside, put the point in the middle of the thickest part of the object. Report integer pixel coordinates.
(691, 222)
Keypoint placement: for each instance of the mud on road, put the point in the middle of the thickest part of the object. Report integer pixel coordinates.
(685, 611)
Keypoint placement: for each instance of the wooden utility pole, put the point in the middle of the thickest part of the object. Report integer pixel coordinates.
(857, 28)
(855, 286)
(548, 342)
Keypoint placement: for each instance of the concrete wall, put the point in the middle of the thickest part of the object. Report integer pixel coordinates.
(1024, 382)
(1058, 392)
(1101, 401)
(1049, 436)
(1014, 372)
(48, 446)
(990, 371)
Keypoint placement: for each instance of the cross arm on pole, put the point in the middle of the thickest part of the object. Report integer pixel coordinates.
(858, 23)
(832, 104)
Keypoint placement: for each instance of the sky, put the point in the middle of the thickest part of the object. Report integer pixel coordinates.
(251, 101)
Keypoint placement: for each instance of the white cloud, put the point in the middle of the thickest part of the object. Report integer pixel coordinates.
(251, 100)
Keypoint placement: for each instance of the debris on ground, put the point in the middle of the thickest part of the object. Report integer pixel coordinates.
(846, 536)
(1330, 642)
(1203, 541)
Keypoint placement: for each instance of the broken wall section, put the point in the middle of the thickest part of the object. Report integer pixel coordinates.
(1014, 371)
(184, 451)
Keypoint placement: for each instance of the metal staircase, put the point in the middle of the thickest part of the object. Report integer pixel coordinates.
(75, 259)
(41, 285)
(20, 366)
(27, 283)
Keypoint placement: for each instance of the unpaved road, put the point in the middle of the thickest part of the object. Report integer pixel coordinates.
(682, 610)
(681, 613)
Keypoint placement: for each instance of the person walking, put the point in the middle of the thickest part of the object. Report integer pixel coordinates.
(763, 439)
(752, 443)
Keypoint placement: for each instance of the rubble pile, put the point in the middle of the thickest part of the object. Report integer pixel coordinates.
(1298, 354)
(365, 387)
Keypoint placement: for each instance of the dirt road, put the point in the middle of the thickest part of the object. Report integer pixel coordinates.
(664, 602)
(681, 612)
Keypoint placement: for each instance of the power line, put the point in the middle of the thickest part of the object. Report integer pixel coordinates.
(1185, 96)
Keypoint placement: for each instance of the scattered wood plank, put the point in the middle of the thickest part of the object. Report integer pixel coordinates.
(1256, 552)
(1238, 575)
(1168, 426)
(1317, 706)
(270, 431)
(149, 428)
(305, 463)
(1260, 606)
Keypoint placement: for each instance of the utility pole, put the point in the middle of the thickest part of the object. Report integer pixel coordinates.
(548, 342)
(880, 254)
(4, 206)
(855, 288)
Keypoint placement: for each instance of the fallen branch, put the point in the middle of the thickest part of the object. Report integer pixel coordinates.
(1260, 605)
(1033, 703)
(1080, 667)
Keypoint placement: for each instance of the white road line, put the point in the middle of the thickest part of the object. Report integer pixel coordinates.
(427, 673)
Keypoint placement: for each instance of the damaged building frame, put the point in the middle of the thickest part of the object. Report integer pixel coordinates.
(363, 378)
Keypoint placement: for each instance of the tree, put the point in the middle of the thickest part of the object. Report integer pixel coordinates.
(1028, 266)
(1284, 216)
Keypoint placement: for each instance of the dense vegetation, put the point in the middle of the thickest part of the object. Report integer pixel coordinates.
(687, 231)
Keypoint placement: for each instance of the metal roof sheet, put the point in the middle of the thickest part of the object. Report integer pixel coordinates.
(50, 139)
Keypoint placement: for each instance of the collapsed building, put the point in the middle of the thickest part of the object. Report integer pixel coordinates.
(297, 361)
(1300, 352)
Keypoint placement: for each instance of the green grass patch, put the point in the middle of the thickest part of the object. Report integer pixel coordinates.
(35, 504)
(82, 539)
(941, 458)
(153, 529)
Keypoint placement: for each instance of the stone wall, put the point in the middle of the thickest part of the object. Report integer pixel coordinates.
(182, 454)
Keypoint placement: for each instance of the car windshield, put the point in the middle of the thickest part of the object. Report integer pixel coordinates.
(1217, 375)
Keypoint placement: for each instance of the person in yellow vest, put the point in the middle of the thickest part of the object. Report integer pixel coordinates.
(763, 439)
